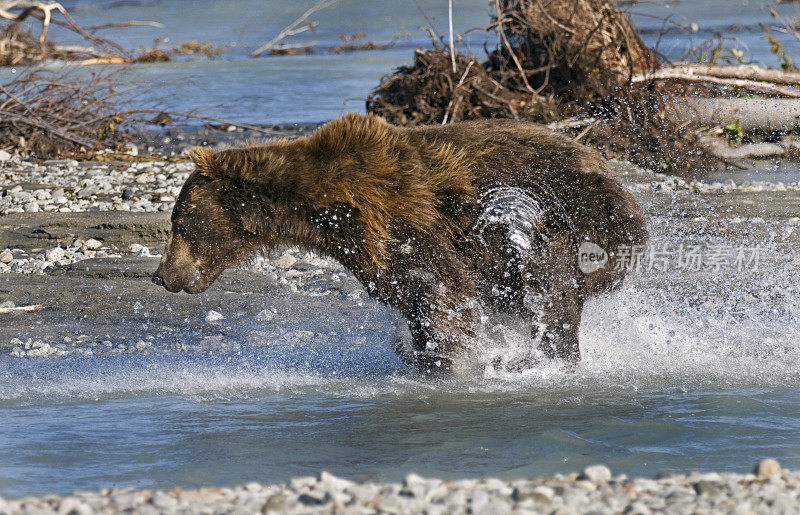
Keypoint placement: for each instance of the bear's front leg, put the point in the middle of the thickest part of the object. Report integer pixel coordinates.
(432, 289)
(441, 323)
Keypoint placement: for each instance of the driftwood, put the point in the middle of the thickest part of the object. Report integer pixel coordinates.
(54, 114)
(743, 71)
(22, 309)
(18, 47)
(44, 12)
(749, 77)
(292, 29)
(752, 115)
(554, 60)
(579, 66)
(722, 150)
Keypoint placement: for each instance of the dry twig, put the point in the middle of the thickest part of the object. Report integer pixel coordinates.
(22, 309)
(292, 29)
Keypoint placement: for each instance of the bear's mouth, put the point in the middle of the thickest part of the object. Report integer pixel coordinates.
(200, 281)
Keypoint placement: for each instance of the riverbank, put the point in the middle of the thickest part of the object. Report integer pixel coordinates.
(70, 229)
(596, 490)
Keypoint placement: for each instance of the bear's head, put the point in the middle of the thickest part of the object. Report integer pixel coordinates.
(209, 232)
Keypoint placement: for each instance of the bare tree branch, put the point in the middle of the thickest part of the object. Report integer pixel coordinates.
(291, 29)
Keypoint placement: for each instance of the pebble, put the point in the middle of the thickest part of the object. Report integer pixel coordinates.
(265, 315)
(735, 493)
(20, 262)
(55, 254)
(139, 249)
(285, 261)
(92, 244)
(293, 274)
(76, 187)
(213, 317)
(596, 473)
(4, 156)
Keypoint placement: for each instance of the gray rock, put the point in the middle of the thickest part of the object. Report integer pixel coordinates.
(704, 487)
(293, 274)
(92, 244)
(213, 317)
(74, 506)
(6, 256)
(4, 156)
(163, 500)
(265, 315)
(8, 304)
(285, 261)
(54, 255)
(336, 483)
(314, 498)
(540, 494)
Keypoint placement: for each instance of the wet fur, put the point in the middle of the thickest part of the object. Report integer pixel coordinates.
(405, 210)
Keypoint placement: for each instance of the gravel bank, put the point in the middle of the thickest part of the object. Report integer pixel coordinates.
(64, 186)
(767, 490)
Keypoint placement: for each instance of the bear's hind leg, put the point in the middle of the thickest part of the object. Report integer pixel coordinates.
(554, 296)
(557, 328)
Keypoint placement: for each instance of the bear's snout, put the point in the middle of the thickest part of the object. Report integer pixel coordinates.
(171, 283)
(157, 279)
(188, 279)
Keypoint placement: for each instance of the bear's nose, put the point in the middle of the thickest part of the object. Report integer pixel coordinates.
(157, 279)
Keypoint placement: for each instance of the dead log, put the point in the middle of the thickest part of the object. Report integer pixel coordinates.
(751, 78)
(741, 71)
(754, 115)
(723, 150)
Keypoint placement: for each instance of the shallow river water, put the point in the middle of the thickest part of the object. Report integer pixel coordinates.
(682, 370)
(318, 87)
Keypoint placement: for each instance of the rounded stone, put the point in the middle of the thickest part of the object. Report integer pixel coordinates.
(596, 473)
(92, 244)
(285, 261)
(212, 317)
(54, 255)
(767, 468)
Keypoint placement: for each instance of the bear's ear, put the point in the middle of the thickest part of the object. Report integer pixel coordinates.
(205, 159)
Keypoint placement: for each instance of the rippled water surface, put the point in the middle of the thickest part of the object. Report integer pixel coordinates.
(318, 87)
(681, 370)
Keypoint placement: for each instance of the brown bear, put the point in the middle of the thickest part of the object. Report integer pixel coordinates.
(437, 221)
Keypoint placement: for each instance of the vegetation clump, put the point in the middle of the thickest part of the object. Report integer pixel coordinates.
(576, 64)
